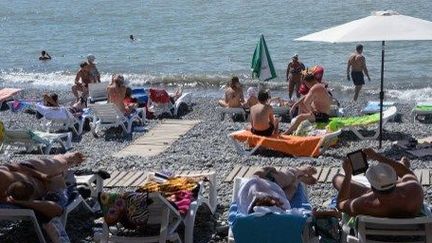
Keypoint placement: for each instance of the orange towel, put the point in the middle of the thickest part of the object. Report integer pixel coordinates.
(7, 93)
(293, 145)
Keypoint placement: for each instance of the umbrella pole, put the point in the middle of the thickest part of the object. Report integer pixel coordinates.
(381, 94)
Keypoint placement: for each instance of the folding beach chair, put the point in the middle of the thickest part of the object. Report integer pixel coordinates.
(97, 92)
(30, 139)
(108, 115)
(309, 146)
(60, 118)
(271, 227)
(422, 111)
(14, 213)
(355, 124)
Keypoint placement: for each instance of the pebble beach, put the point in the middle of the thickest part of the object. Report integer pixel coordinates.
(206, 146)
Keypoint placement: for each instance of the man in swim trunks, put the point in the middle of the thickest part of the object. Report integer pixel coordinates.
(357, 64)
(27, 183)
(315, 106)
(84, 75)
(233, 94)
(92, 69)
(263, 122)
(395, 191)
(294, 75)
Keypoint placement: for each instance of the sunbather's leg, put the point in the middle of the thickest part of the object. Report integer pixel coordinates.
(222, 103)
(276, 126)
(405, 161)
(57, 165)
(357, 91)
(357, 189)
(297, 122)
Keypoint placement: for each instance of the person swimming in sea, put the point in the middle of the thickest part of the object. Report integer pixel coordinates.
(131, 37)
(44, 56)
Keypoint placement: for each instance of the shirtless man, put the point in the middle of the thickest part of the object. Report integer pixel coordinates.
(293, 75)
(92, 69)
(233, 94)
(357, 64)
(315, 106)
(44, 56)
(25, 183)
(395, 191)
(117, 92)
(263, 122)
(83, 74)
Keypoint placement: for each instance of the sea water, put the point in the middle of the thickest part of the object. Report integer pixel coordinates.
(200, 42)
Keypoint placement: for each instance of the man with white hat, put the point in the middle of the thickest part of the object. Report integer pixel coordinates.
(93, 70)
(395, 191)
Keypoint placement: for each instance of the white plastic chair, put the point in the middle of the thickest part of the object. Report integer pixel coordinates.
(97, 92)
(108, 115)
(55, 118)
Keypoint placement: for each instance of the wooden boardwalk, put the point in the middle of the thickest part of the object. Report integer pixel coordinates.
(137, 178)
(324, 174)
(158, 138)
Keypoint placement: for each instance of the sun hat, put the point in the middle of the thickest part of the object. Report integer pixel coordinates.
(91, 58)
(381, 176)
(252, 92)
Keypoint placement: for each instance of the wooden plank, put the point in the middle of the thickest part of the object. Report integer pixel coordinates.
(252, 170)
(122, 181)
(139, 181)
(113, 175)
(319, 169)
(243, 171)
(323, 175)
(332, 173)
(425, 177)
(232, 174)
(120, 176)
(134, 177)
(418, 174)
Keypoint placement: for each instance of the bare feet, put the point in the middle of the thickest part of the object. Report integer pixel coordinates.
(305, 174)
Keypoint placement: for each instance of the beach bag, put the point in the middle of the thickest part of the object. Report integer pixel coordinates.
(130, 209)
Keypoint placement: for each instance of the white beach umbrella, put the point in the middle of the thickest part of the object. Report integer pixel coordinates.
(380, 26)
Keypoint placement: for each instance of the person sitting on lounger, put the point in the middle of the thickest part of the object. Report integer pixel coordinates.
(233, 94)
(395, 191)
(117, 92)
(51, 100)
(263, 121)
(38, 184)
(269, 187)
(252, 98)
(315, 106)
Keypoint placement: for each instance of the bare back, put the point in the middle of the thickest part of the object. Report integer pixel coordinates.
(405, 201)
(357, 62)
(319, 99)
(233, 97)
(116, 96)
(261, 116)
(7, 177)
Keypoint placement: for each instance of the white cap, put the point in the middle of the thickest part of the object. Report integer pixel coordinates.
(91, 58)
(381, 176)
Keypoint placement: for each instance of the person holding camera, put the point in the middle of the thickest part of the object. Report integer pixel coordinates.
(394, 190)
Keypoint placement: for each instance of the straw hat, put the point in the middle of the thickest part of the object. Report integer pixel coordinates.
(381, 176)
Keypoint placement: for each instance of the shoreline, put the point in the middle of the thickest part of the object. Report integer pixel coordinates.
(207, 146)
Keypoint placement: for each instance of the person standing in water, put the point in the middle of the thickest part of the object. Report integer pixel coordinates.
(357, 65)
(44, 56)
(293, 74)
(131, 37)
(92, 67)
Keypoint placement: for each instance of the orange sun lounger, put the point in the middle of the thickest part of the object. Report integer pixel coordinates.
(310, 146)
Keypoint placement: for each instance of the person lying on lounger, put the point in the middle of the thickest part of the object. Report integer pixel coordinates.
(38, 184)
(233, 94)
(263, 121)
(315, 106)
(395, 191)
(270, 187)
(51, 100)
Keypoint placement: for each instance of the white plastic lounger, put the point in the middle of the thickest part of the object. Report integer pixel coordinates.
(97, 92)
(374, 106)
(14, 214)
(388, 114)
(232, 111)
(30, 139)
(60, 118)
(108, 115)
(161, 212)
(422, 109)
(186, 101)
